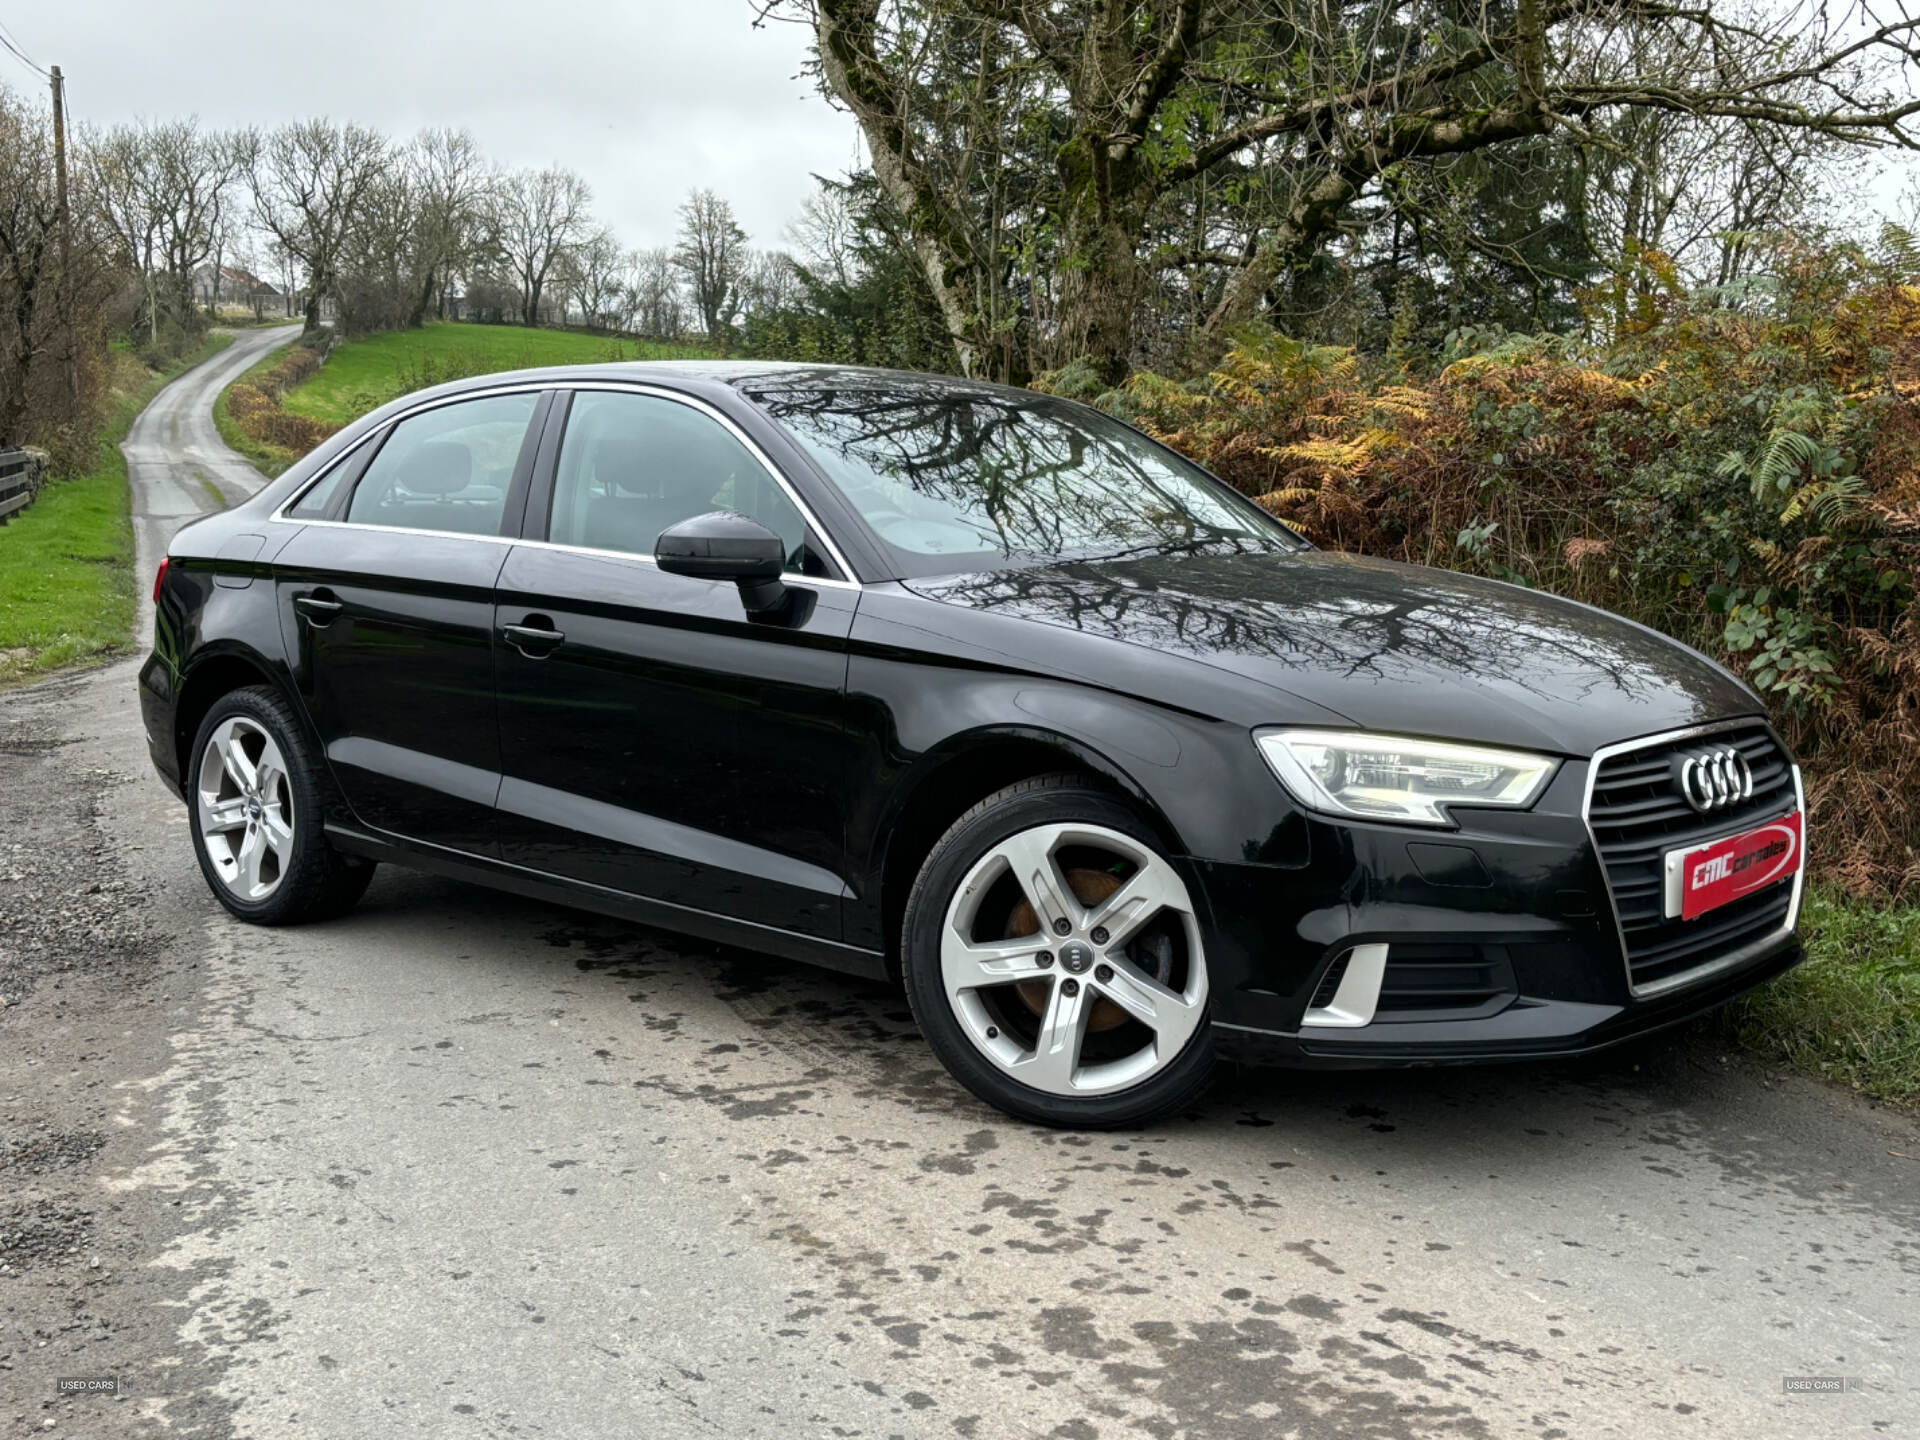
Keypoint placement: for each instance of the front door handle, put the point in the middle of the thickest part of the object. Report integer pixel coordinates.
(536, 639)
(319, 608)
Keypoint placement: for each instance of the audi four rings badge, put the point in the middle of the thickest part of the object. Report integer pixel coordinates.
(1713, 779)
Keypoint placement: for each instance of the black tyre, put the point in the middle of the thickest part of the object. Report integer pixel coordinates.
(1053, 958)
(256, 795)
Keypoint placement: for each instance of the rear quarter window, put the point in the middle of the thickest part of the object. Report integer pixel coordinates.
(319, 498)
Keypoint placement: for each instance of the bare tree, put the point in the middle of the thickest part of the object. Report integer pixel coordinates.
(1698, 189)
(28, 258)
(451, 184)
(310, 182)
(826, 234)
(162, 189)
(420, 221)
(195, 171)
(712, 254)
(118, 169)
(768, 282)
(378, 269)
(53, 320)
(656, 305)
(537, 216)
(598, 267)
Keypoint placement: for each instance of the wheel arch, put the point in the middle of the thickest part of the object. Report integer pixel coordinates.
(214, 673)
(965, 769)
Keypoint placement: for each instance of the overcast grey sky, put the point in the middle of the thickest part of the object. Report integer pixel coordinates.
(646, 98)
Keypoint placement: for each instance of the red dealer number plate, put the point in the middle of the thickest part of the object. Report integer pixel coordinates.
(1721, 871)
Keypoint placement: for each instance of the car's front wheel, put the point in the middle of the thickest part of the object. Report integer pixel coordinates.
(1053, 958)
(255, 799)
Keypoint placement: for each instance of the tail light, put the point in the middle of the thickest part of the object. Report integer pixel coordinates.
(160, 577)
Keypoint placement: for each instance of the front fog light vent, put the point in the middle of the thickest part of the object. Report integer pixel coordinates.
(1330, 982)
(1356, 991)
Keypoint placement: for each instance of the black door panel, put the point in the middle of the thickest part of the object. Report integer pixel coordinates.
(670, 747)
(398, 679)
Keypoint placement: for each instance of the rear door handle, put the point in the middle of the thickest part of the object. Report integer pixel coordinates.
(319, 608)
(535, 641)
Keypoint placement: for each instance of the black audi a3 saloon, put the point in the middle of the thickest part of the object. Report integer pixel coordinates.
(980, 690)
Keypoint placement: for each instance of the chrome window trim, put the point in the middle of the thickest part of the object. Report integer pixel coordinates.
(617, 386)
(340, 461)
(280, 513)
(1741, 954)
(635, 556)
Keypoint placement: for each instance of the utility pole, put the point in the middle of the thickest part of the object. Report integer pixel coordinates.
(66, 227)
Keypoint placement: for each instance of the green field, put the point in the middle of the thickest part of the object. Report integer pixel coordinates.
(66, 562)
(1851, 1013)
(364, 374)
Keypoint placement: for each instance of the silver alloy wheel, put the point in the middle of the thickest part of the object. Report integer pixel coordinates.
(1075, 969)
(245, 805)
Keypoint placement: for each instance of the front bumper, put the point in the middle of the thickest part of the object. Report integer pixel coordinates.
(1505, 935)
(1528, 1029)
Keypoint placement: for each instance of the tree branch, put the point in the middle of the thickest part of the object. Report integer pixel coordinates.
(1304, 117)
(1881, 127)
(1163, 72)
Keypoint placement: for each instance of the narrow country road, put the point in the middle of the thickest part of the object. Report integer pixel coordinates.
(465, 1165)
(176, 459)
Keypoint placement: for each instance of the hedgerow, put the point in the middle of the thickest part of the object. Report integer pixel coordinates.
(255, 404)
(1737, 467)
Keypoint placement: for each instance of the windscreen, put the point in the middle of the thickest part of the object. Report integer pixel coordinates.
(956, 480)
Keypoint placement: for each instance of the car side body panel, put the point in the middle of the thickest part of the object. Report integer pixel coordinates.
(918, 704)
(673, 746)
(398, 679)
(210, 619)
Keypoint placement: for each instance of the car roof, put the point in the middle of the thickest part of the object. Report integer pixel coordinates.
(735, 375)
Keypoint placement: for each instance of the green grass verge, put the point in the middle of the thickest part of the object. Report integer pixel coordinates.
(269, 460)
(1851, 1013)
(66, 561)
(362, 375)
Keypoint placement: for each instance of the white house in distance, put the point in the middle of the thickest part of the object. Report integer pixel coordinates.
(234, 287)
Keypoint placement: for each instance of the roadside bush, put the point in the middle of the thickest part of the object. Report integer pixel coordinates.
(255, 404)
(260, 415)
(1740, 468)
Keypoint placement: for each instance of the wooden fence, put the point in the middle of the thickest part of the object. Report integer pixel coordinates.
(22, 472)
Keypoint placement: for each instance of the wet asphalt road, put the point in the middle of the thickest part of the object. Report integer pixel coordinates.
(461, 1164)
(179, 465)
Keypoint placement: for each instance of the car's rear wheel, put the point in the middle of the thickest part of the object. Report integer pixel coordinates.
(256, 796)
(1053, 958)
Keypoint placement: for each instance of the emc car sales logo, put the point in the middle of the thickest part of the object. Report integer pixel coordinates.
(1725, 867)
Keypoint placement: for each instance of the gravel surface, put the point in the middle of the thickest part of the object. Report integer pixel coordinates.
(65, 907)
(92, 985)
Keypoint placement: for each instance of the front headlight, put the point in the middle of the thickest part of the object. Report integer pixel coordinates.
(1389, 777)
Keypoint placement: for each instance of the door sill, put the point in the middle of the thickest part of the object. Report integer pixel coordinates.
(581, 894)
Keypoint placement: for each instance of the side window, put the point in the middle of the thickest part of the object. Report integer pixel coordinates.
(319, 499)
(313, 504)
(446, 469)
(632, 465)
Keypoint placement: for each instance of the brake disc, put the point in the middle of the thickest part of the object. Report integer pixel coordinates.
(1089, 887)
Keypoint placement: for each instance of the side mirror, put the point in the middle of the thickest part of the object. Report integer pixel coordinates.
(725, 545)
